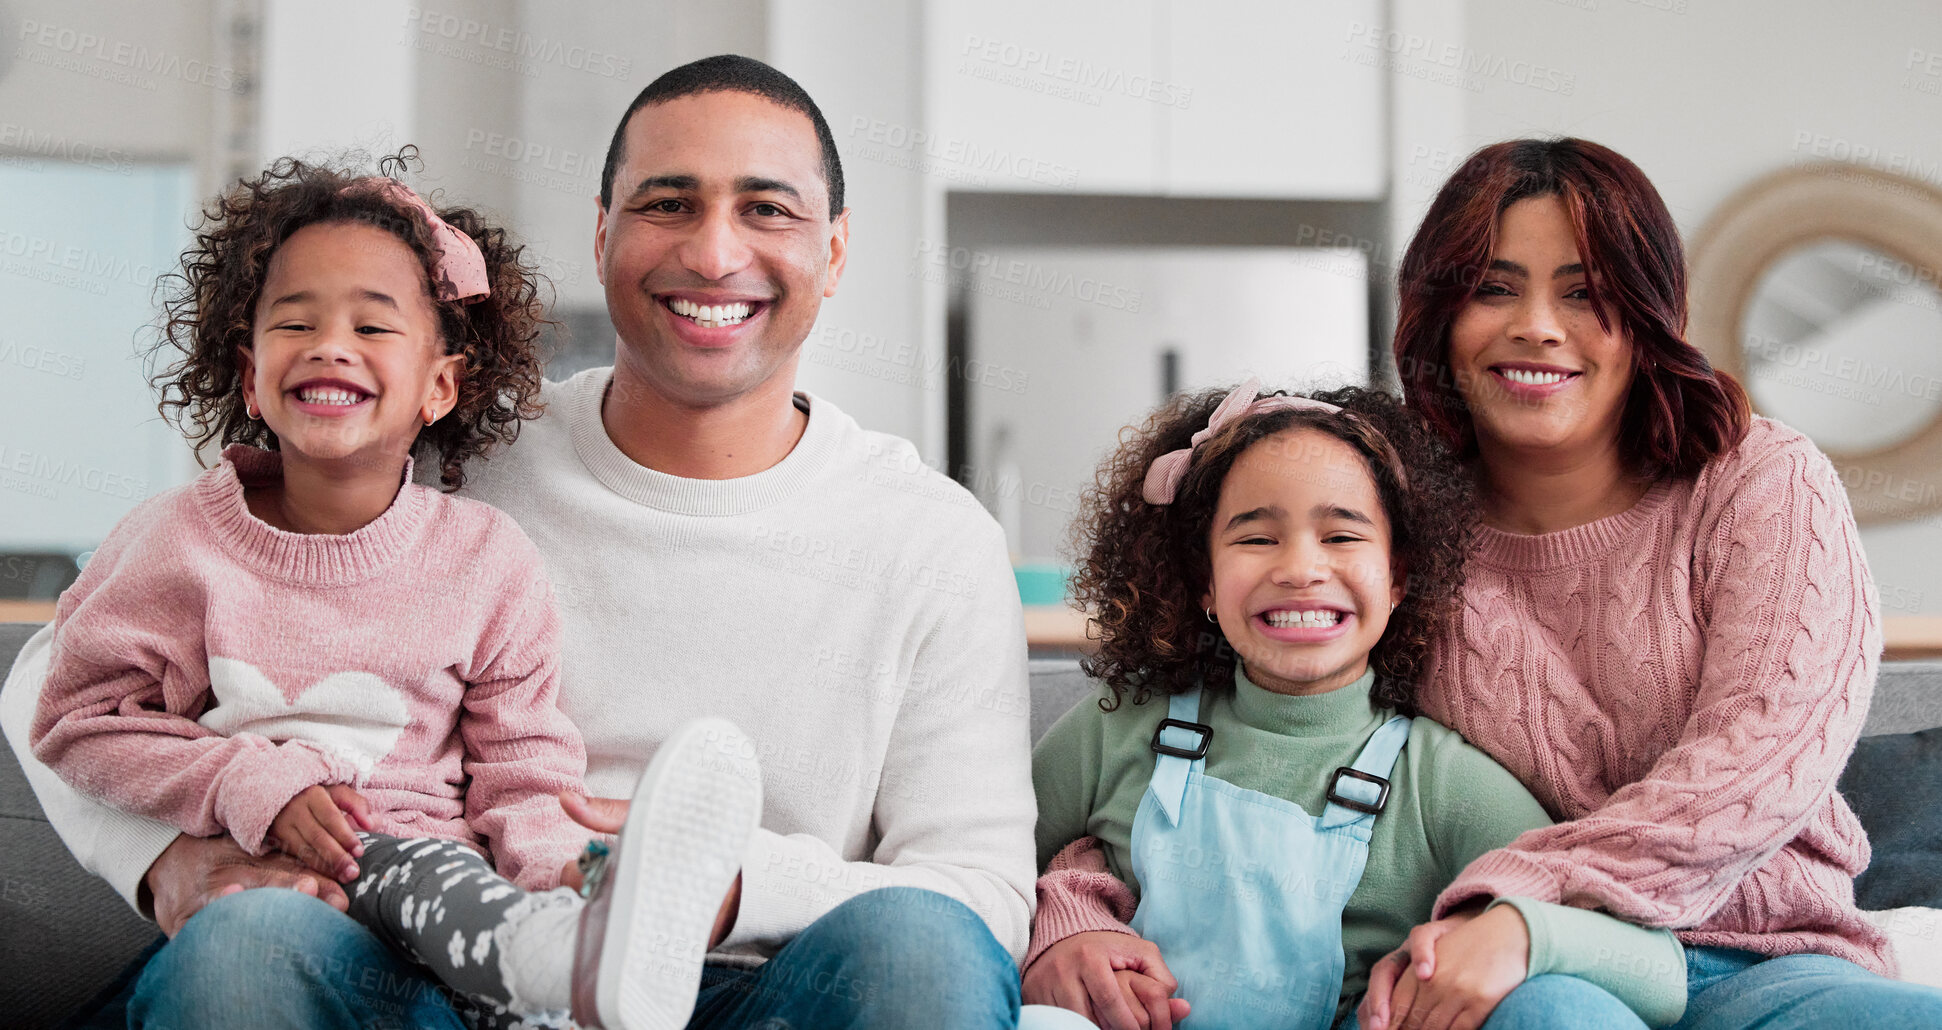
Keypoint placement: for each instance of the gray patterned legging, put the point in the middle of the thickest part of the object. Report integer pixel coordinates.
(441, 904)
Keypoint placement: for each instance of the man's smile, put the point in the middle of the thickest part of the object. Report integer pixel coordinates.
(713, 315)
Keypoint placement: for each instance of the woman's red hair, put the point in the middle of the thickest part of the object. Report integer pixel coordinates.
(1681, 412)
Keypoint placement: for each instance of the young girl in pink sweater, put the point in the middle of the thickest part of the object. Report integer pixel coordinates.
(304, 650)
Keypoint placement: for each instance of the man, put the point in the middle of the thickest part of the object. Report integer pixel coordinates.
(720, 545)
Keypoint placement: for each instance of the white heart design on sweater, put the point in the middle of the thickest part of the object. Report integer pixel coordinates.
(355, 715)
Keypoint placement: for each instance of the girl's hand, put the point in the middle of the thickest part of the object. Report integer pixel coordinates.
(1415, 961)
(1080, 973)
(1154, 1007)
(1483, 960)
(313, 828)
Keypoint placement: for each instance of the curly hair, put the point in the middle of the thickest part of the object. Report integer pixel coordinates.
(209, 308)
(1143, 567)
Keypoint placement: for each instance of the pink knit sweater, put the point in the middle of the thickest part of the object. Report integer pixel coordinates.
(207, 667)
(1683, 682)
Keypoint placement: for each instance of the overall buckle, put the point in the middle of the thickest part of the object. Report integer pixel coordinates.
(1192, 753)
(1335, 795)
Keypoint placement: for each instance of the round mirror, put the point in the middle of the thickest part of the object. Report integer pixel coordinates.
(1843, 341)
(1820, 288)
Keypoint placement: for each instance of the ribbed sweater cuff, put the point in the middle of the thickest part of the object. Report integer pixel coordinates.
(538, 864)
(1500, 874)
(774, 907)
(1074, 901)
(1645, 969)
(125, 848)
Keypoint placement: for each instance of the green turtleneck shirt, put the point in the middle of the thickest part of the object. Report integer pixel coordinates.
(1448, 804)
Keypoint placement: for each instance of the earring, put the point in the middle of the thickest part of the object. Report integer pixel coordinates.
(429, 419)
(1210, 616)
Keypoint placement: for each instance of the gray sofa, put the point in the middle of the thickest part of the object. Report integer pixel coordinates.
(64, 935)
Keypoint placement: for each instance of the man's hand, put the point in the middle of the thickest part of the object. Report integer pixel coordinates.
(1484, 958)
(1081, 973)
(317, 828)
(193, 871)
(608, 816)
(601, 815)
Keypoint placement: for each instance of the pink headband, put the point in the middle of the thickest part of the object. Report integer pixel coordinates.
(461, 270)
(1164, 475)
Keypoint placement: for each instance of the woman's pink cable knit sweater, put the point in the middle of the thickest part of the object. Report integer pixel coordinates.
(208, 667)
(1683, 682)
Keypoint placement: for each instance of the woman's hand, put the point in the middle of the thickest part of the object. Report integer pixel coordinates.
(1081, 973)
(1484, 957)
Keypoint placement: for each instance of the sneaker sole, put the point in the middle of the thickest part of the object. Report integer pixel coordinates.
(681, 849)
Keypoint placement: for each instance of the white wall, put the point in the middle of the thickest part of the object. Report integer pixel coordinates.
(314, 98)
(862, 61)
(108, 116)
(110, 83)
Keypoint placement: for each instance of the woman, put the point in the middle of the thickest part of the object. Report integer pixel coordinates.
(1669, 633)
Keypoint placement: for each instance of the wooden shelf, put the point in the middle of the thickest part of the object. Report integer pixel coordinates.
(1911, 636)
(26, 611)
(1055, 627)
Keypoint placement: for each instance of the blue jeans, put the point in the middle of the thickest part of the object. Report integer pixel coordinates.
(892, 958)
(267, 958)
(1736, 990)
(1731, 990)
(276, 958)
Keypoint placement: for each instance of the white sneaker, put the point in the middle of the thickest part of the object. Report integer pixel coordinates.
(646, 925)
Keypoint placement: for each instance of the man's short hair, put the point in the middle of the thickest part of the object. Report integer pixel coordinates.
(729, 73)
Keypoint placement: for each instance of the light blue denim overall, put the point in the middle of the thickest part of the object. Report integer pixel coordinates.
(1242, 891)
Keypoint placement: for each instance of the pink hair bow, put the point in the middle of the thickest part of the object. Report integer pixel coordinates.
(1164, 475)
(461, 271)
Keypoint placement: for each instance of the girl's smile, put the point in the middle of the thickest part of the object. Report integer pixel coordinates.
(329, 397)
(1301, 579)
(1298, 623)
